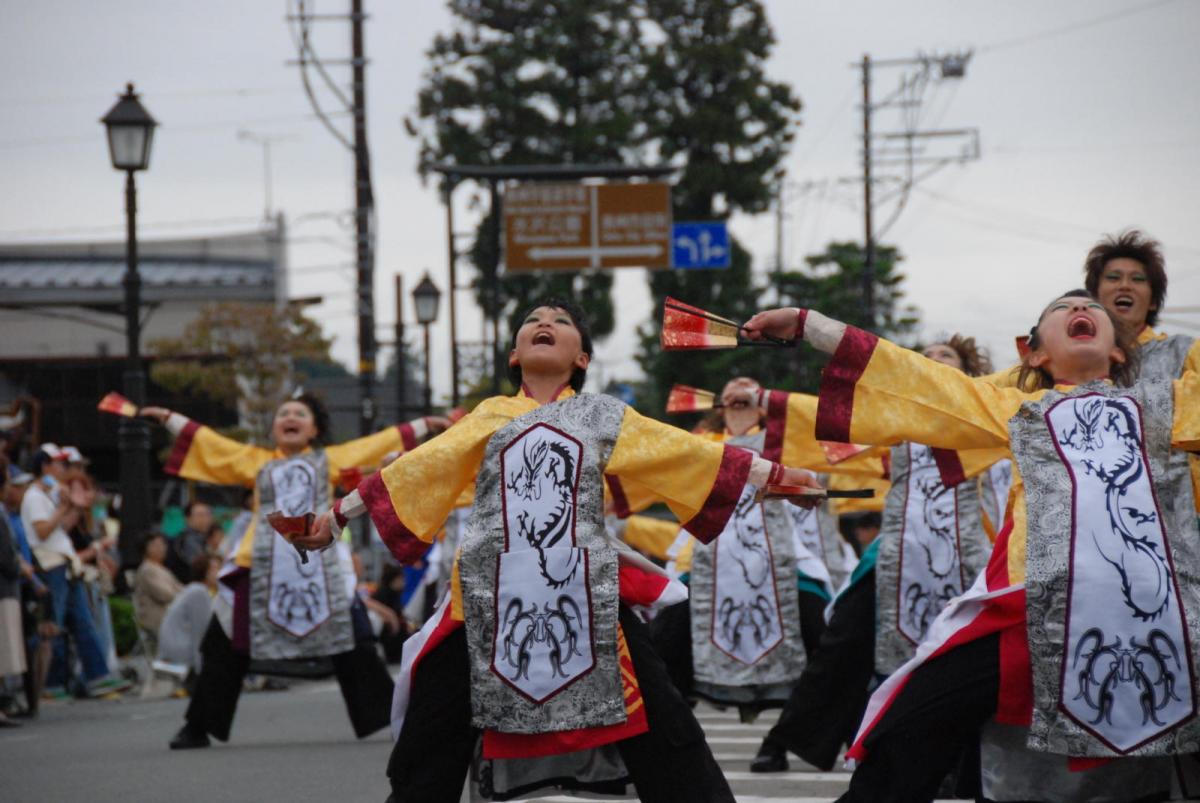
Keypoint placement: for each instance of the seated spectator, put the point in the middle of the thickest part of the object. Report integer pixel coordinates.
(154, 587)
(47, 515)
(214, 542)
(191, 542)
(188, 615)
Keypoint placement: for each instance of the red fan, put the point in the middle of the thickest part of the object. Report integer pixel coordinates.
(686, 327)
(349, 478)
(1023, 348)
(116, 404)
(687, 399)
(837, 452)
(290, 528)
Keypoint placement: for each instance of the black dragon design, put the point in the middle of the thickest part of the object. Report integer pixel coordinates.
(756, 617)
(1151, 667)
(751, 554)
(546, 466)
(556, 627)
(1121, 546)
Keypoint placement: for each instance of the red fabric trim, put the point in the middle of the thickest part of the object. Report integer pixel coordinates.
(723, 496)
(407, 436)
(639, 587)
(620, 501)
(776, 425)
(239, 581)
(338, 518)
(949, 466)
(529, 745)
(182, 444)
(1083, 764)
(403, 542)
(1014, 705)
(998, 615)
(886, 460)
(997, 566)
(835, 409)
(801, 317)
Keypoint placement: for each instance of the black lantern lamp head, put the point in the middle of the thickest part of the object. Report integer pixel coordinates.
(426, 297)
(130, 131)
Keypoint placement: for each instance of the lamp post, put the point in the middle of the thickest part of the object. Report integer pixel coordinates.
(425, 298)
(130, 131)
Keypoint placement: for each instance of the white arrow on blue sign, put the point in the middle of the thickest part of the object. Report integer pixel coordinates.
(700, 246)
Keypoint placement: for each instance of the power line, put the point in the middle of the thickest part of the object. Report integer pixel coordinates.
(1073, 27)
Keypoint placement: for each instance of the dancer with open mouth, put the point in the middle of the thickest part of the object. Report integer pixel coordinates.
(1096, 573)
(276, 611)
(537, 645)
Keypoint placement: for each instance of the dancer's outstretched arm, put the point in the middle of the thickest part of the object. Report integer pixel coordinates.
(875, 392)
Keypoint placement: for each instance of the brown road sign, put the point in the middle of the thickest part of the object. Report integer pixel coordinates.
(573, 226)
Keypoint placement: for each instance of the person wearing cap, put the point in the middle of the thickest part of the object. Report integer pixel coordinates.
(47, 514)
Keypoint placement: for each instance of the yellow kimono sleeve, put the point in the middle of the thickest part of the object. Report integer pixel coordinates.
(700, 480)
(651, 536)
(876, 392)
(201, 454)
(1185, 431)
(370, 450)
(790, 438)
(411, 497)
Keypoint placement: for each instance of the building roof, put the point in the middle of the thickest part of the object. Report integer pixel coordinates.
(89, 281)
(245, 266)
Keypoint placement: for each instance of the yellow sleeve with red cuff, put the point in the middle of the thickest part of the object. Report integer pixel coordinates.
(371, 449)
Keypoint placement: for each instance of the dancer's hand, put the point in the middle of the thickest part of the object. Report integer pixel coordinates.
(798, 476)
(320, 536)
(159, 414)
(781, 323)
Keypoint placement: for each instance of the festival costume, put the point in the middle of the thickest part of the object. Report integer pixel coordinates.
(283, 616)
(1117, 583)
(932, 544)
(538, 585)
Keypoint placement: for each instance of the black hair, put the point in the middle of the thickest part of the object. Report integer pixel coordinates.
(198, 568)
(320, 416)
(1123, 374)
(38, 462)
(1130, 244)
(151, 536)
(581, 324)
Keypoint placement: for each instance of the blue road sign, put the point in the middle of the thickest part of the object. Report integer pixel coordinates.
(696, 246)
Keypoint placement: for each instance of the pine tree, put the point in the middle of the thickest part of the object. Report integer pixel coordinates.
(534, 82)
(713, 110)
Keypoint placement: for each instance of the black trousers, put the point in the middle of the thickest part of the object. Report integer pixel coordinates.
(921, 736)
(671, 632)
(670, 763)
(827, 702)
(363, 678)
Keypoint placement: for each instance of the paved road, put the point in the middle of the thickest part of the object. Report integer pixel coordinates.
(294, 745)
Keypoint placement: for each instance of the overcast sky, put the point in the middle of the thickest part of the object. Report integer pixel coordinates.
(1087, 112)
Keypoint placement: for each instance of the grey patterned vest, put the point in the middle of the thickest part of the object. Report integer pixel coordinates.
(932, 546)
(1112, 572)
(1164, 358)
(745, 606)
(297, 610)
(539, 576)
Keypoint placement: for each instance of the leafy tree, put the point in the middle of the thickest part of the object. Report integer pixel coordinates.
(714, 111)
(241, 353)
(533, 82)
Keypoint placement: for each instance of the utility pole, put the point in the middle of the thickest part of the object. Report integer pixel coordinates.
(868, 277)
(401, 355)
(916, 148)
(364, 211)
(364, 197)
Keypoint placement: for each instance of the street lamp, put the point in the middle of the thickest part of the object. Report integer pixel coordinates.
(426, 296)
(130, 130)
